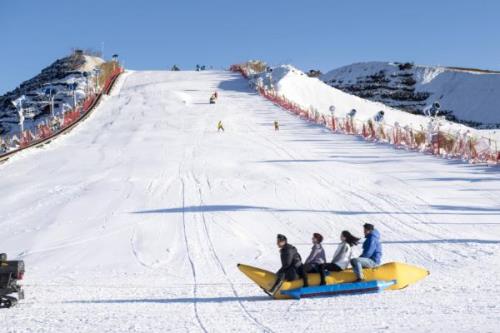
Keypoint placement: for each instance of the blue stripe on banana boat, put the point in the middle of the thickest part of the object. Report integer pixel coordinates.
(340, 289)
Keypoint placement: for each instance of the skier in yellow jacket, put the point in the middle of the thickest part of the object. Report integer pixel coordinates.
(220, 126)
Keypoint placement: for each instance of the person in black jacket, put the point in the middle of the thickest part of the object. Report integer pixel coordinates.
(291, 264)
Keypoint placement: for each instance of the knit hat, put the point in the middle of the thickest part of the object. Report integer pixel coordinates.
(281, 238)
(318, 237)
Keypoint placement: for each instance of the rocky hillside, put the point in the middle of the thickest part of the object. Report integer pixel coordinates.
(466, 95)
(58, 78)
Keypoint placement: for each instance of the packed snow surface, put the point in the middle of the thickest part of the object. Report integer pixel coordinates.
(135, 221)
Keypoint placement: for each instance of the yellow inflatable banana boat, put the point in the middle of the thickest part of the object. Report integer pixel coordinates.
(401, 275)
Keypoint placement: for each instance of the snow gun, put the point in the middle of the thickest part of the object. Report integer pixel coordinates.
(10, 272)
(390, 276)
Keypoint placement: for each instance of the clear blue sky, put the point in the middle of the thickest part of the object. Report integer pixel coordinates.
(154, 34)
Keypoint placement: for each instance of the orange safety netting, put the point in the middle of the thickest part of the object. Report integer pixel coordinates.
(465, 147)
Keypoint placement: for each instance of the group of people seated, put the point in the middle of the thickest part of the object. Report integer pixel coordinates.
(292, 267)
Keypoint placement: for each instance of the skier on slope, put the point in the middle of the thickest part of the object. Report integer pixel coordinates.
(220, 127)
(315, 262)
(372, 252)
(276, 125)
(291, 264)
(213, 98)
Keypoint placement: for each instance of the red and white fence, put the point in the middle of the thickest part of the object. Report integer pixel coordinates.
(465, 146)
(54, 126)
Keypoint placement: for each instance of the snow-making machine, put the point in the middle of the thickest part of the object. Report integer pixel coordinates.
(11, 271)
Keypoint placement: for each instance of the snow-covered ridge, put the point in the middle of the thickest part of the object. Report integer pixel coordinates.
(66, 82)
(312, 93)
(465, 95)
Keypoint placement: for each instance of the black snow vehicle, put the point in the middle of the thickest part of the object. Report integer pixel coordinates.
(10, 272)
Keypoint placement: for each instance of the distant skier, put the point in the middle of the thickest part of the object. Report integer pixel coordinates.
(343, 254)
(220, 127)
(197, 67)
(315, 262)
(276, 125)
(372, 252)
(216, 95)
(213, 99)
(291, 264)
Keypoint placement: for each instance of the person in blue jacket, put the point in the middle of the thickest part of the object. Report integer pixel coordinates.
(372, 252)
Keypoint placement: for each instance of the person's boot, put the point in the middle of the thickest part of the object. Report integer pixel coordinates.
(359, 278)
(304, 277)
(276, 286)
(306, 282)
(322, 275)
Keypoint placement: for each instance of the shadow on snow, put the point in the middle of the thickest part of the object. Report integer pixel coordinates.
(429, 241)
(439, 210)
(181, 300)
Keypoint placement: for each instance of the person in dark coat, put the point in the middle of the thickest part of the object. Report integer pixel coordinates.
(372, 252)
(291, 264)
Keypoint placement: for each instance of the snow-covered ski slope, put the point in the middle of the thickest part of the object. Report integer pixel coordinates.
(135, 221)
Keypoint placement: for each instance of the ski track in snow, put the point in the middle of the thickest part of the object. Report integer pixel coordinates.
(208, 240)
(221, 266)
(191, 263)
(135, 221)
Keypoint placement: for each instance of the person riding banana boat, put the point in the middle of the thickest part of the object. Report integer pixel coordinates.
(315, 277)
